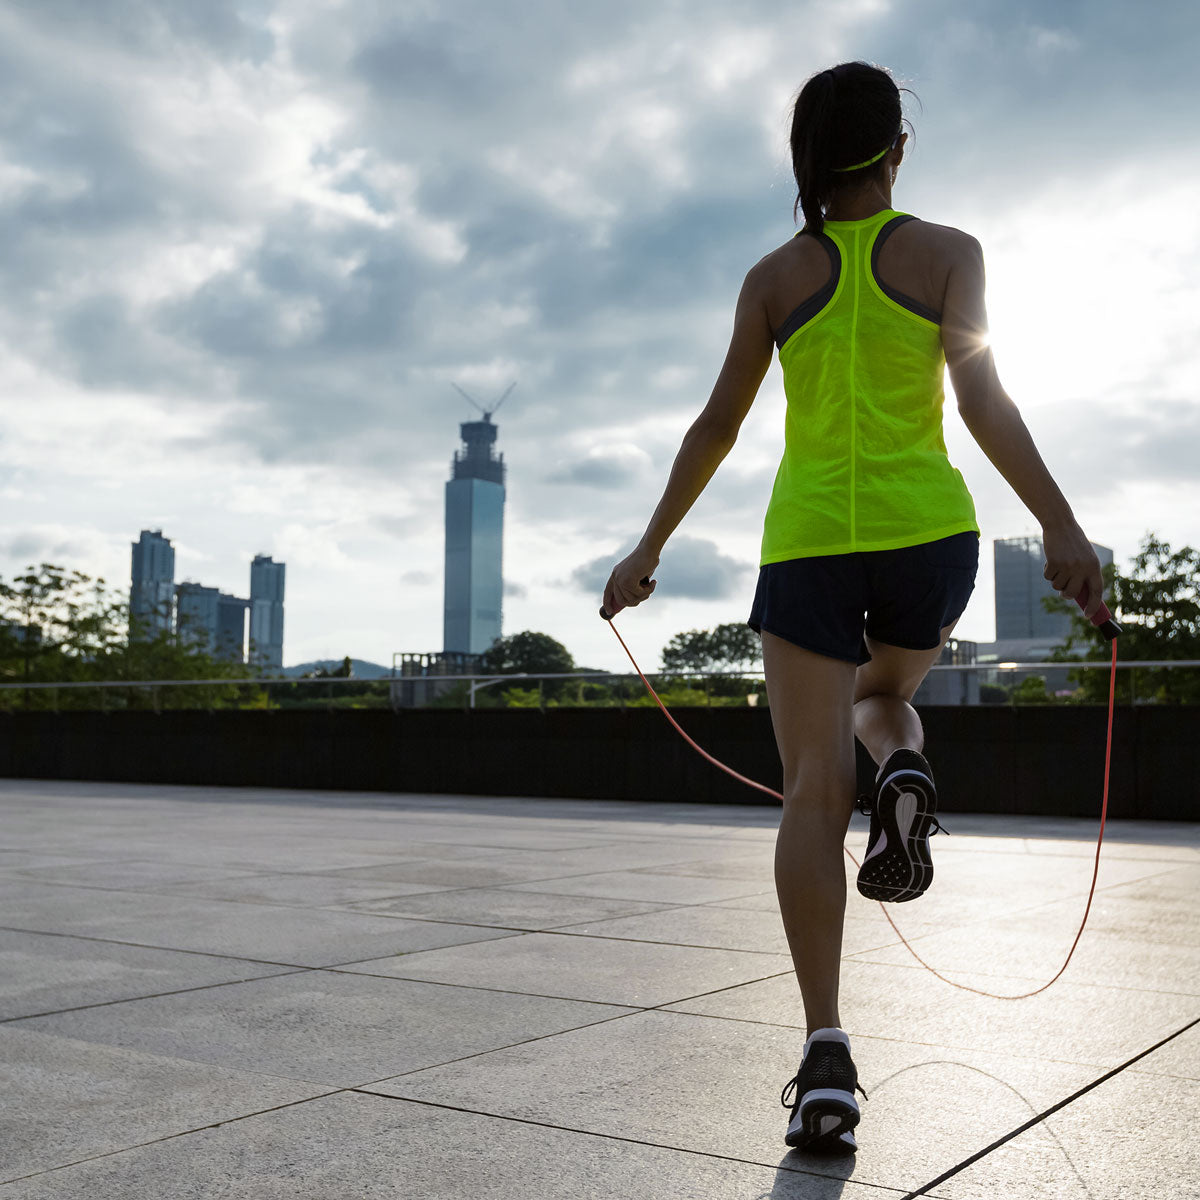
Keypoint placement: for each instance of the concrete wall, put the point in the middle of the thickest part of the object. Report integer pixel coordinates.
(991, 759)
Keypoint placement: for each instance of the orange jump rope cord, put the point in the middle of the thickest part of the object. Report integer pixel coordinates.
(1112, 688)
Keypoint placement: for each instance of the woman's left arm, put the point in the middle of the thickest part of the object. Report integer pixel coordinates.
(705, 444)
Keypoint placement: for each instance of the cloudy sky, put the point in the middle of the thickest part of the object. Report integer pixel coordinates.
(248, 246)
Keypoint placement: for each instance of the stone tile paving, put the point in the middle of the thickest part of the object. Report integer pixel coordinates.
(265, 994)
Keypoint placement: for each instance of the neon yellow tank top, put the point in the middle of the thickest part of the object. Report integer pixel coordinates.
(864, 463)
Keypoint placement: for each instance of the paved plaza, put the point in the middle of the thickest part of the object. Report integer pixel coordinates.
(281, 994)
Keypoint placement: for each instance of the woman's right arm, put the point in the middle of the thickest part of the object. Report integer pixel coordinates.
(996, 424)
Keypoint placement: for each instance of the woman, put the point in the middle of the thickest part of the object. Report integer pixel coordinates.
(870, 542)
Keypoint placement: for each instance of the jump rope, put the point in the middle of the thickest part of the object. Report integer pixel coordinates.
(1103, 620)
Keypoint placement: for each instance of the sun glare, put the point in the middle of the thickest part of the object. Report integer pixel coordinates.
(1069, 319)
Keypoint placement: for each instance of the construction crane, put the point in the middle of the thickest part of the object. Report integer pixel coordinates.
(487, 412)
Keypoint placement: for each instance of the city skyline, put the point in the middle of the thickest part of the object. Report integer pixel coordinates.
(242, 307)
(205, 616)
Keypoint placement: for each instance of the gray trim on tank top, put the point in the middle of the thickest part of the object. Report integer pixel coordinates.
(803, 313)
(914, 306)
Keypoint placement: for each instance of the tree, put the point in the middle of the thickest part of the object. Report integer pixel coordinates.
(728, 646)
(734, 646)
(1157, 603)
(62, 626)
(345, 671)
(526, 653)
(1031, 690)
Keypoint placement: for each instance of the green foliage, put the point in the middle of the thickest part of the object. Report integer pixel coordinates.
(370, 693)
(733, 646)
(526, 653)
(365, 693)
(729, 646)
(1031, 690)
(1157, 603)
(60, 626)
(345, 671)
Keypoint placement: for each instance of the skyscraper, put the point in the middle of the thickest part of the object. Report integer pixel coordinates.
(474, 583)
(198, 615)
(152, 587)
(266, 611)
(1020, 588)
(231, 628)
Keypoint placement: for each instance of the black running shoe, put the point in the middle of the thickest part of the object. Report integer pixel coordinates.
(824, 1111)
(897, 865)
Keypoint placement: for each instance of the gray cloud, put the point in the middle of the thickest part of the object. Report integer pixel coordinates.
(691, 569)
(147, 26)
(543, 148)
(314, 218)
(393, 526)
(32, 549)
(604, 467)
(1158, 439)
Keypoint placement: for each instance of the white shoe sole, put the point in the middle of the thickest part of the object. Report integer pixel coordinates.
(898, 866)
(824, 1121)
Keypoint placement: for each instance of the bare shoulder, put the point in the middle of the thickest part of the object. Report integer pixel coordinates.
(945, 241)
(787, 276)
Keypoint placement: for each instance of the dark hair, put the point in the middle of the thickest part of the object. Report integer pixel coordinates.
(844, 115)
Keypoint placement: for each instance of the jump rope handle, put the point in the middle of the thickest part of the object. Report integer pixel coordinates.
(1103, 619)
(644, 581)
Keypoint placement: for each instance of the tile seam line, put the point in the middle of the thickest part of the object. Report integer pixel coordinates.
(998, 975)
(561, 931)
(671, 1007)
(667, 1009)
(91, 937)
(170, 1137)
(340, 970)
(926, 1188)
(629, 1008)
(202, 987)
(149, 890)
(508, 991)
(519, 887)
(614, 1137)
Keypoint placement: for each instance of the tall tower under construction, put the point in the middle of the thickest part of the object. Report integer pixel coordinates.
(474, 580)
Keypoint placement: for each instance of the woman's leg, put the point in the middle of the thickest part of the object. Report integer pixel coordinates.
(884, 720)
(811, 698)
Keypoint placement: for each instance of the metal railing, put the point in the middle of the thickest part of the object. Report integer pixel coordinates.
(395, 683)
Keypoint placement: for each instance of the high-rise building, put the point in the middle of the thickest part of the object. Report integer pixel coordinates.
(951, 687)
(266, 611)
(231, 628)
(1021, 587)
(197, 615)
(152, 587)
(474, 582)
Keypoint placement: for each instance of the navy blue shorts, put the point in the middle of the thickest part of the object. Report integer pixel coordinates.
(902, 598)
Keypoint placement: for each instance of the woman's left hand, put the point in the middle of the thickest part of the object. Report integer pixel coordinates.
(630, 582)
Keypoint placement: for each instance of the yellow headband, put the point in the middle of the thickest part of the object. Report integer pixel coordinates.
(859, 166)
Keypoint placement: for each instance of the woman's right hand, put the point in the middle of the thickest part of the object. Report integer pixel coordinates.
(630, 582)
(1070, 563)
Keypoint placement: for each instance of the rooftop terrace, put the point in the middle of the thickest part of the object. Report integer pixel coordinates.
(257, 993)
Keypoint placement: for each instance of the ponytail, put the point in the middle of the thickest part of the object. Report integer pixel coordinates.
(812, 123)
